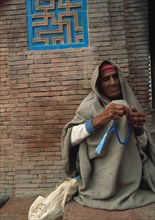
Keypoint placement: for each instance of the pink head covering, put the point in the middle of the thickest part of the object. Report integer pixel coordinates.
(108, 68)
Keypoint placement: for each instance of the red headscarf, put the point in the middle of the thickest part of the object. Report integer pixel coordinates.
(108, 68)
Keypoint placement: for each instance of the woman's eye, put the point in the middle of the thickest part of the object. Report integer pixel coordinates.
(115, 76)
(105, 79)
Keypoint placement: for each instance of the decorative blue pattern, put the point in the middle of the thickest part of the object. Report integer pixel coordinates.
(57, 24)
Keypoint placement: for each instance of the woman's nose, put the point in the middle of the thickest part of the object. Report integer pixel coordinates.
(112, 80)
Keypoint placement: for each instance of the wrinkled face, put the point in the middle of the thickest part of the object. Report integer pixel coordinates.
(110, 85)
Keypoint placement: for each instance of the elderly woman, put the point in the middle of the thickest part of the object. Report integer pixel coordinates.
(109, 145)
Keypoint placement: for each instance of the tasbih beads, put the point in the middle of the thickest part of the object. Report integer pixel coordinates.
(113, 128)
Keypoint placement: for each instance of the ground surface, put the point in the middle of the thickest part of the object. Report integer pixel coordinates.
(17, 209)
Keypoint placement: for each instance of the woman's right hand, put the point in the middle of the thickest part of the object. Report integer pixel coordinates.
(112, 112)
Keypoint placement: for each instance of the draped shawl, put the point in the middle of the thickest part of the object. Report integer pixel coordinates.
(122, 177)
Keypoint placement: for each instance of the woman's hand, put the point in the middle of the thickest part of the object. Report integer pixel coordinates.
(137, 118)
(112, 112)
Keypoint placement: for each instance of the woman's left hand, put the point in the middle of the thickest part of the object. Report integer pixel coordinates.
(137, 118)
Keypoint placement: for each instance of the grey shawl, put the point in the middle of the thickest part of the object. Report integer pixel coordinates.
(122, 177)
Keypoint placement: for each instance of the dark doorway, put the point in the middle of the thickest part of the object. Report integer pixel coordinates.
(151, 10)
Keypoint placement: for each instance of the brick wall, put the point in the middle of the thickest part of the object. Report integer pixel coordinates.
(7, 165)
(41, 90)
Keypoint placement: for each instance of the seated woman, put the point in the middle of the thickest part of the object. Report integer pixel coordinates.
(117, 171)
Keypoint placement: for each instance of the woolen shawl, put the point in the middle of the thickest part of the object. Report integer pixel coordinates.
(122, 177)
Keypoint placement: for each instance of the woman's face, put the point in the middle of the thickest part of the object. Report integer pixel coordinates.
(110, 85)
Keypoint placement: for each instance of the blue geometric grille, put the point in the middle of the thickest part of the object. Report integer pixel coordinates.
(57, 24)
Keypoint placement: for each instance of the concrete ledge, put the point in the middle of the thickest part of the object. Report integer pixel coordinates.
(17, 209)
(74, 211)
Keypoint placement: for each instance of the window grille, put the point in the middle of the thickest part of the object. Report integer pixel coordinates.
(57, 24)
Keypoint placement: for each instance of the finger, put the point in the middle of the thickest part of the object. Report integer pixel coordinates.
(138, 126)
(136, 116)
(133, 108)
(116, 114)
(142, 119)
(119, 114)
(122, 109)
(138, 123)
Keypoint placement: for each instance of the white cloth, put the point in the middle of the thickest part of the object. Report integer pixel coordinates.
(79, 133)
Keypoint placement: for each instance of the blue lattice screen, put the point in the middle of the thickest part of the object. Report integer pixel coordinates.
(57, 24)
